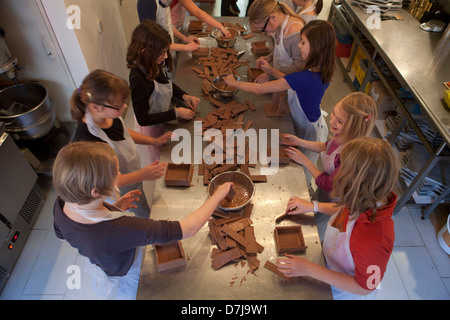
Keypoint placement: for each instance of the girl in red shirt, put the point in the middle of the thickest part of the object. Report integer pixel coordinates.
(360, 233)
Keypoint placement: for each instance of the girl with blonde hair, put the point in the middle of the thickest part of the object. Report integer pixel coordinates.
(360, 233)
(85, 174)
(278, 19)
(97, 107)
(352, 117)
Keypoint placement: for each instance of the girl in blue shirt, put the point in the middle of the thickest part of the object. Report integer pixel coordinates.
(307, 87)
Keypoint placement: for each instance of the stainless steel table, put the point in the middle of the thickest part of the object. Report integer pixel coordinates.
(198, 280)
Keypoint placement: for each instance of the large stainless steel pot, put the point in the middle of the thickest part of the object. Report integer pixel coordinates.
(27, 111)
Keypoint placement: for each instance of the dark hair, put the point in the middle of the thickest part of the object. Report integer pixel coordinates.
(98, 86)
(319, 6)
(148, 43)
(322, 41)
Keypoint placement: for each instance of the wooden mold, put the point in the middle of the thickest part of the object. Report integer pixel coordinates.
(289, 239)
(169, 256)
(200, 52)
(178, 175)
(253, 73)
(260, 48)
(276, 108)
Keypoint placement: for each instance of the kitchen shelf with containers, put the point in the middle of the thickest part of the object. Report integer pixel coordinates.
(422, 151)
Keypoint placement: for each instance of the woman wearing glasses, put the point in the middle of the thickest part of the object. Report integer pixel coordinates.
(97, 107)
(278, 19)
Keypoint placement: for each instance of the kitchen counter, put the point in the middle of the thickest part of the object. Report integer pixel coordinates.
(198, 279)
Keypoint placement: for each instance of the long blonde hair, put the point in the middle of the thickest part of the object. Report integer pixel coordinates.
(367, 175)
(362, 111)
(260, 10)
(82, 166)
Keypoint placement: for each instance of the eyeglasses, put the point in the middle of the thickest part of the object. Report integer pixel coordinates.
(263, 29)
(108, 106)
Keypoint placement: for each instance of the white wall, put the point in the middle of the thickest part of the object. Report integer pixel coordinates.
(26, 33)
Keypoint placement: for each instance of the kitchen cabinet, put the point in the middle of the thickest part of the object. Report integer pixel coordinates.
(411, 64)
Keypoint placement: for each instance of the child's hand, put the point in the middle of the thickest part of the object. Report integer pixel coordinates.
(193, 39)
(163, 139)
(296, 155)
(223, 190)
(154, 171)
(265, 66)
(230, 80)
(258, 61)
(264, 77)
(290, 140)
(294, 266)
(126, 202)
(225, 32)
(297, 205)
(191, 101)
(186, 114)
(191, 46)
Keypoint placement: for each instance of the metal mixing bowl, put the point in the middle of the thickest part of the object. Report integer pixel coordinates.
(226, 42)
(233, 176)
(220, 86)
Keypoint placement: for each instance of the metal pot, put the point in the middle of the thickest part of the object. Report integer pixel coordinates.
(233, 176)
(226, 42)
(222, 88)
(27, 111)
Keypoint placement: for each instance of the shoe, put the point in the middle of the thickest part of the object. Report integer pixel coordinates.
(234, 9)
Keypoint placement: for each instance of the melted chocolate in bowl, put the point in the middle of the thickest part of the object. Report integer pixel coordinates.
(242, 195)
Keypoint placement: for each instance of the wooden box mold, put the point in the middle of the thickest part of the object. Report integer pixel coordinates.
(178, 175)
(169, 256)
(260, 48)
(289, 239)
(200, 52)
(253, 73)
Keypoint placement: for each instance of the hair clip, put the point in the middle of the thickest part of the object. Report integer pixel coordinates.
(368, 117)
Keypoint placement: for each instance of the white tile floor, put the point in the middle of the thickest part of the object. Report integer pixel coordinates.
(418, 269)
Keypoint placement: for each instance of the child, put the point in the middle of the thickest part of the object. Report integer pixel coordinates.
(85, 174)
(159, 11)
(353, 117)
(279, 20)
(151, 90)
(97, 107)
(307, 9)
(360, 236)
(305, 88)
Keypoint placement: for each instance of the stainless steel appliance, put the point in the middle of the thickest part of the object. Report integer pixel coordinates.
(21, 200)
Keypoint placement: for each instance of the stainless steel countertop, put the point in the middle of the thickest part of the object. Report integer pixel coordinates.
(198, 280)
(413, 56)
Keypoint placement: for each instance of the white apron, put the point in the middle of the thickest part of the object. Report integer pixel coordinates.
(129, 161)
(159, 101)
(107, 287)
(336, 249)
(281, 58)
(164, 18)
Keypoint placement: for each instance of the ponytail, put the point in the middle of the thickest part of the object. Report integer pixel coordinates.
(319, 6)
(77, 106)
(98, 86)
